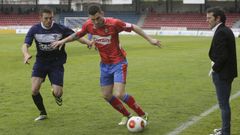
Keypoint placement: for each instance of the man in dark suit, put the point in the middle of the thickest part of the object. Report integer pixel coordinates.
(224, 64)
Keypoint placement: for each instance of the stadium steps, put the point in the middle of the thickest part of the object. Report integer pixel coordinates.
(18, 20)
(188, 20)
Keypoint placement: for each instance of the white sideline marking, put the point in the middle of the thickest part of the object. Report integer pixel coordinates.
(195, 119)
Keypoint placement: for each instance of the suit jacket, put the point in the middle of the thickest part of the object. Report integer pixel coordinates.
(223, 53)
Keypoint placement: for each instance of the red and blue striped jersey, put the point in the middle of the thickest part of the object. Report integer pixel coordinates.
(107, 38)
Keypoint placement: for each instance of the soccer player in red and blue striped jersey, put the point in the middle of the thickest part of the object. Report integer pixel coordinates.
(113, 65)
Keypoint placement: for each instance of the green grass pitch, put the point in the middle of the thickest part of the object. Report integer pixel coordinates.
(171, 84)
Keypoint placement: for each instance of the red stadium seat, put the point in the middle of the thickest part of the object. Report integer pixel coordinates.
(188, 20)
(18, 20)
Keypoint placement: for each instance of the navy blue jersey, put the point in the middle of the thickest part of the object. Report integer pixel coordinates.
(43, 39)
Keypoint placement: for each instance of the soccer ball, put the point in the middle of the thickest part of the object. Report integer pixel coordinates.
(136, 124)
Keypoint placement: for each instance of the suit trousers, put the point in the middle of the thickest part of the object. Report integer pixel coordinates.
(223, 91)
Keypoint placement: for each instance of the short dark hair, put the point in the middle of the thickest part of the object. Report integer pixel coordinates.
(92, 10)
(218, 11)
(45, 10)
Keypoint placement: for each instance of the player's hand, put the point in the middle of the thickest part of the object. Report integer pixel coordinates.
(90, 44)
(57, 44)
(155, 42)
(26, 58)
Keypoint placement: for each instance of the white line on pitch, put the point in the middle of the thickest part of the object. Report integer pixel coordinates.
(195, 119)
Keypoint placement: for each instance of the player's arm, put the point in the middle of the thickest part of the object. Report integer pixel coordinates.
(87, 42)
(70, 38)
(83, 40)
(60, 43)
(140, 32)
(26, 55)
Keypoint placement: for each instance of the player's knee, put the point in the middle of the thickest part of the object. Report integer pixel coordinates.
(58, 92)
(107, 96)
(35, 92)
(35, 88)
(119, 95)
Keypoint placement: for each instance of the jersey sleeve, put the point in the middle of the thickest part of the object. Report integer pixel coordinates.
(123, 26)
(83, 31)
(30, 36)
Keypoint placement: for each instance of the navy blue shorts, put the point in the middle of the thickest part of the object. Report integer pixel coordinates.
(111, 73)
(55, 72)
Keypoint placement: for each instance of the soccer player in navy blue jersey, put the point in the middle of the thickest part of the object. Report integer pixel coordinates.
(49, 60)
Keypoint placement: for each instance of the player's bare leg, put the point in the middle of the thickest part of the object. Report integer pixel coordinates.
(37, 98)
(115, 102)
(119, 90)
(57, 92)
(128, 99)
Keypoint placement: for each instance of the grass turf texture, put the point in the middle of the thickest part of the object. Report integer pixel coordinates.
(170, 83)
